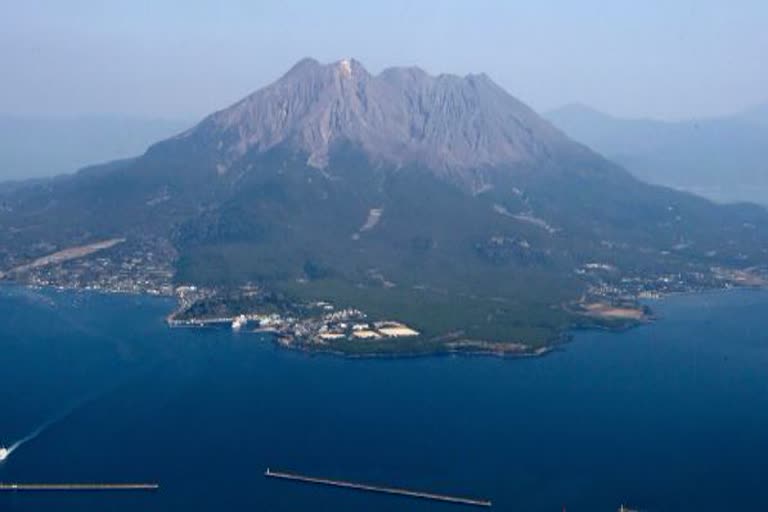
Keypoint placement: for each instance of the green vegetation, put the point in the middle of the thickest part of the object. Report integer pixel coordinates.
(436, 314)
(452, 264)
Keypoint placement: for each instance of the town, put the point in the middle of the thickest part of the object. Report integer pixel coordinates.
(145, 265)
(315, 324)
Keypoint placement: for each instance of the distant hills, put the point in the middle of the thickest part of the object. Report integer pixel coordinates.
(441, 201)
(34, 147)
(725, 159)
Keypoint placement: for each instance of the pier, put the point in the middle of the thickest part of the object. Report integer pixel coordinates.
(78, 487)
(378, 488)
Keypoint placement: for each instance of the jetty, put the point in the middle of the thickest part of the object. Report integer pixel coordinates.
(378, 488)
(78, 487)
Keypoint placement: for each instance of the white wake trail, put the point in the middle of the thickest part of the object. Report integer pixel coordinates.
(40, 429)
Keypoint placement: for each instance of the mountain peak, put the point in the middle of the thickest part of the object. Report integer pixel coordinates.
(345, 67)
(304, 65)
(445, 123)
(349, 67)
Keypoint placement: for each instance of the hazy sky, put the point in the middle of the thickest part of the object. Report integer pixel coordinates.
(656, 58)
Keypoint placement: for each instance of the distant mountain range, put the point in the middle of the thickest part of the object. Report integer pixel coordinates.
(441, 201)
(35, 147)
(725, 159)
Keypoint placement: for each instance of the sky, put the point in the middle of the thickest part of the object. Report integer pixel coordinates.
(179, 59)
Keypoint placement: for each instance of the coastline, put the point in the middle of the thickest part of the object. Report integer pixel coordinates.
(257, 383)
(555, 345)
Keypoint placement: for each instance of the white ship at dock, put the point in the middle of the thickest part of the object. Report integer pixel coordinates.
(239, 322)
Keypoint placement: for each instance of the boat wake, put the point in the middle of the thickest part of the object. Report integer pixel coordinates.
(6, 452)
(39, 430)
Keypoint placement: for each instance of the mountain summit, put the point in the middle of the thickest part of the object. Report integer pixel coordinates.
(439, 201)
(401, 116)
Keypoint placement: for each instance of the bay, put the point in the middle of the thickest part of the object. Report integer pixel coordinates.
(667, 416)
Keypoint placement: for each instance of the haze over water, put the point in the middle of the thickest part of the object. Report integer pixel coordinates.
(663, 417)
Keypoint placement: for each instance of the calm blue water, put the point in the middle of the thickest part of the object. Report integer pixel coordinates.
(664, 417)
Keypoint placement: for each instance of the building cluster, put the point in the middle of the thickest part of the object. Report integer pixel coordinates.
(608, 283)
(129, 268)
(319, 323)
(365, 331)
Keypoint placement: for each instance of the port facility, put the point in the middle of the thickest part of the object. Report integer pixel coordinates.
(78, 487)
(378, 489)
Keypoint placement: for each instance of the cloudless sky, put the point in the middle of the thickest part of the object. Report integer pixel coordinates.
(184, 58)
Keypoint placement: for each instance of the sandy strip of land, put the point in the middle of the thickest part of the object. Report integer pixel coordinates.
(70, 253)
(608, 311)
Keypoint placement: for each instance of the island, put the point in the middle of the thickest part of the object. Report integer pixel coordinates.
(611, 301)
(364, 214)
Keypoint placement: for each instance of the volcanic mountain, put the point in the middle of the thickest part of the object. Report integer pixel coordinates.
(439, 200)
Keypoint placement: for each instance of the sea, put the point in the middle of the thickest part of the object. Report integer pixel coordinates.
(665, 417)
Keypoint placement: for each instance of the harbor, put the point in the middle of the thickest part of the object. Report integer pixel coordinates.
(378, 489)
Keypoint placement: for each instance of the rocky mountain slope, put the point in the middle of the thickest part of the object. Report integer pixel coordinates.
(454, 126)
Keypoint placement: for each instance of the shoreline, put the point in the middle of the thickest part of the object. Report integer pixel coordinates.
(556, 345)
(416, 355)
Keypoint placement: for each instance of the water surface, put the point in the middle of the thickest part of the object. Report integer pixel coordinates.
(665, 417)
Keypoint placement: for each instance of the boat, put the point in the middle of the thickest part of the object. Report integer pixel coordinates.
(239, 322)
(4, 453)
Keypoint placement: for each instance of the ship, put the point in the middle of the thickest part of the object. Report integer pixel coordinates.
(4, 453)
(239, 322)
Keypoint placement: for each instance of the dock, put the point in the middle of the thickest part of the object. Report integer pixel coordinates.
(78, 487)
(378, 488)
